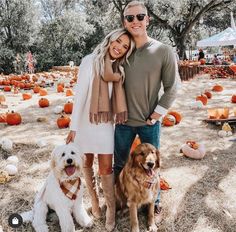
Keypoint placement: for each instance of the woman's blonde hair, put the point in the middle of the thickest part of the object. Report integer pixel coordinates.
(101, 50)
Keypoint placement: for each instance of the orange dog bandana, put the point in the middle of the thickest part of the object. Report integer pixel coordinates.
(70, 188)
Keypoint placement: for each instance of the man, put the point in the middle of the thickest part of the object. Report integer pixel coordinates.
(201, 54)
(150, 65)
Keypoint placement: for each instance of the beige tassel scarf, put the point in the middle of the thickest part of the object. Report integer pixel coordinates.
(104, 109)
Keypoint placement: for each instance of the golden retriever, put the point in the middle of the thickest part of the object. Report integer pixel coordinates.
(138, 184)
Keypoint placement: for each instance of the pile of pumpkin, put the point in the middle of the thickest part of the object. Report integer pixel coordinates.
(27, 81)
(216, 72)
(14, 118)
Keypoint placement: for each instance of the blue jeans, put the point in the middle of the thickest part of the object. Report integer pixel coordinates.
(124, 137)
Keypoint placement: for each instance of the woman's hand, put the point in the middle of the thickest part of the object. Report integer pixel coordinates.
(70, 137)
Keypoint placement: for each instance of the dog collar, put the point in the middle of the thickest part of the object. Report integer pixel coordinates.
(71, 188)
(148, 183)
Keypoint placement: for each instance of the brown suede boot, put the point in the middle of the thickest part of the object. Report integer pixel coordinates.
(91, 186)
(109, 194)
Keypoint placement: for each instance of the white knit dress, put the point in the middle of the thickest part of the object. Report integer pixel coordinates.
(90, 138)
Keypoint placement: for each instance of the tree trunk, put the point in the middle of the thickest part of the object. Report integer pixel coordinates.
(181, 46)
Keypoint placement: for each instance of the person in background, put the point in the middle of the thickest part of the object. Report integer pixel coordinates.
(201, 54)
(216, 60)
(150, 65)
(99, 97)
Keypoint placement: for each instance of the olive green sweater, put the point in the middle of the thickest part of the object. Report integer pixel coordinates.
(149, 67)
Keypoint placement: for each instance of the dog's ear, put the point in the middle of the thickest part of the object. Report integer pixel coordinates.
(53, 162)
(55, 152)
(158, 158)
(131, 158)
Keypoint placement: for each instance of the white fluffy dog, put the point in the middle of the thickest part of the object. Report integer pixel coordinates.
(62, 192)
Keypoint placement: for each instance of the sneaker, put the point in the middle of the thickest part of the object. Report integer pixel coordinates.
(158, 214)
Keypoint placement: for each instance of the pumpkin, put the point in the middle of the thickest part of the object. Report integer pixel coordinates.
(7, 88)
(69, 92)
(36, 89)
(13, 118)
(43, 92)
(212, 113)
(26, 96)
(21, 85)
(177, 115)
(135, 143)
(58, 110)
(203, 98)
(2, 98)
(202, 61)
(217, 88)
(169, 120)
(208, 94)
(60, 88)
(192, 144)
(43, 102)
(3, 118)
(63, 122)
(68, 107)
(223, 113)
(233, 98)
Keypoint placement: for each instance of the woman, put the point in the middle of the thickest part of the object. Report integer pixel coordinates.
(100, 100)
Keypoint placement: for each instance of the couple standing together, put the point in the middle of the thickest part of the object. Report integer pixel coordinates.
(119, 83)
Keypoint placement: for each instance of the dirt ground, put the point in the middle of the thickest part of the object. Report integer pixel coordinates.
(202, 198)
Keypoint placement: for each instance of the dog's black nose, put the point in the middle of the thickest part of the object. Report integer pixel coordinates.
(69, 161)
(150, 164)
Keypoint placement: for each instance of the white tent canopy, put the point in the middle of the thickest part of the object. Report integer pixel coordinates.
(224, 38)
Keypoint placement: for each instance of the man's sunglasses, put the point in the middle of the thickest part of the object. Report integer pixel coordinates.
(130, 18)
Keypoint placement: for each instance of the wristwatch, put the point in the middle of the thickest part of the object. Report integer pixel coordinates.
(153, 121)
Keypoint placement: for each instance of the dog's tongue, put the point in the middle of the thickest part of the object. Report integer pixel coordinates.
(150, 172)
(70, 170)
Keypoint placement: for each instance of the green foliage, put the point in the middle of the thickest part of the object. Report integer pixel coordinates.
(57, 32)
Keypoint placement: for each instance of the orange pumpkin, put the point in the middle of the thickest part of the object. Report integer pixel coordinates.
(135, 143)
(13, 118)
(208, 94)
(169, 120)
(68, 107)
(233, 98)
(7, 88)
(202, 98)
(26, 96)
(21, 85)
(177, 115)
(202, 61)
(69, 92)
(36, 89)
(217, 88)
(43, 102)
(43, 92)
(63, 122)
(60, 88)
(3, 118)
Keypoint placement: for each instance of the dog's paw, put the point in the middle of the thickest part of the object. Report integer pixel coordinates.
(152, 228)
